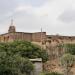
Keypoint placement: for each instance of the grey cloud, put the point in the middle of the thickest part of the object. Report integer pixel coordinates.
(28, 22)
(7, 5)
(33, 2)
(67, 16)
(6, 8)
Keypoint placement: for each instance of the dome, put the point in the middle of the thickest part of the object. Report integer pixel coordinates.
(12, 28)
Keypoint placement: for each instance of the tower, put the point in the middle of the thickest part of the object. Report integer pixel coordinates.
(12, 28)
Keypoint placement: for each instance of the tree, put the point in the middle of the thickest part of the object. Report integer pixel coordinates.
(14, 57)
(69, 48)
(14, 65)
(67, 62)
(24, 65)
(27, 49)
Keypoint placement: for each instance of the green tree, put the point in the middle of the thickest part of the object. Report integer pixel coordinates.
(69, 48)
(14, 57)
(11, 62)
(14, 65)
(27, 49)
(24, 65)
(67, 62)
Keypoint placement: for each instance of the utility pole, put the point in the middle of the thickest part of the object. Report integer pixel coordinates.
(41, 38)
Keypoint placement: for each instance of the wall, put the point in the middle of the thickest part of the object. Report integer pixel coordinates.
(39, 36)
(23, 36)
(37, 66)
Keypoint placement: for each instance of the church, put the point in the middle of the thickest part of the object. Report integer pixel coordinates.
(38, 37)
(13, 35)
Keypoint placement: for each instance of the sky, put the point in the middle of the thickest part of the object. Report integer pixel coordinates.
(53, 16)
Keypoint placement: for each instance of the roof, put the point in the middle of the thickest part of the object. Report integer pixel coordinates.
(36, 60)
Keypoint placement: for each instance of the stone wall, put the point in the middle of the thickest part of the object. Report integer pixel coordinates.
(23, 36)
(39, 36)
(37, 66)
(61, 39)
(32, 37)
(6, 37)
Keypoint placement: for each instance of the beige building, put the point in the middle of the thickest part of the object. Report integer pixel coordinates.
(34, 37)
(14, 35)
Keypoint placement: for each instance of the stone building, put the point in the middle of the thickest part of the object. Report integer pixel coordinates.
(37, 37)
(49, 42)
(14, 35)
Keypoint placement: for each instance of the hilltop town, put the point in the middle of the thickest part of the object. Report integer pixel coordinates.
(37, 37)
(48, 42)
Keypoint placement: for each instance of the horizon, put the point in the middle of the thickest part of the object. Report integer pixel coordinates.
(33, 32)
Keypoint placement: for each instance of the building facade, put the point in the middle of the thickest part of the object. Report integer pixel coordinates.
(14, 35)
(37, 37)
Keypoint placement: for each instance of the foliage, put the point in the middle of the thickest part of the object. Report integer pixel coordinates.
(53, 73)
(14, 57)
(69, 48)
(42, 73)
(14, 65)
(27, 49)
(67, 62)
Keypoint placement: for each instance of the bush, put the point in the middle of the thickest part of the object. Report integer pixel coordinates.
(14, 57)
(53, 73)
(69, 48)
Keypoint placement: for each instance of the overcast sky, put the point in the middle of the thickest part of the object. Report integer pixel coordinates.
(54, 16)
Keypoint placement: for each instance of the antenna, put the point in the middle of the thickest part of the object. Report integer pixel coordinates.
(41, 34)
(41, 38)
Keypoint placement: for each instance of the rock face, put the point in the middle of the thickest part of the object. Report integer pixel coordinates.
(53, 65)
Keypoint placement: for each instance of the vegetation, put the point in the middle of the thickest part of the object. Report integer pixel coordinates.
(70, 48)
(67, 62)
(68, 57)
(14, 57)
(14, 65)
(52, 73)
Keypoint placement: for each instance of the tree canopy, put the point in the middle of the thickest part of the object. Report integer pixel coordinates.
(67, 62)
(14, 57)
(53, 73)
(69, 48)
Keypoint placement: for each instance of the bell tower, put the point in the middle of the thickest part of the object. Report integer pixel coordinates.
(12, 28)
